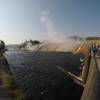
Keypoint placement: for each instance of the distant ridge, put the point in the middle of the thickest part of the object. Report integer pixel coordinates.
(76, 38)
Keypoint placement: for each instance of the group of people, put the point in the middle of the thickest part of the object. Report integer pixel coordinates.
(95, 48)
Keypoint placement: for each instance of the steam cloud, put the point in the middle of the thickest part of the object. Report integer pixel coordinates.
(52, 34)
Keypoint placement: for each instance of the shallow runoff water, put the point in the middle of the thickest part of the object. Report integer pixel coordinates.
(35, 73)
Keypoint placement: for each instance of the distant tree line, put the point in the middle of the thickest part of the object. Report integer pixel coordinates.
(32, 42)
(93, 38)
(35, 42)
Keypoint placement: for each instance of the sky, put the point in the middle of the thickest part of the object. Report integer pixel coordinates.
(21, 20)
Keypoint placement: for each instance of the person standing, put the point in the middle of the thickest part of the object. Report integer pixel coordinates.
(98, 49)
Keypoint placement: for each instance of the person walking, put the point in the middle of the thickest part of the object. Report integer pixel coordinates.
(94, 48)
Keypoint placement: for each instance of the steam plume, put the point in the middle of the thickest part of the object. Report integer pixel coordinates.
(52, 34)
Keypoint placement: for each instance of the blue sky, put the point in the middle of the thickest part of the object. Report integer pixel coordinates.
(21, 19)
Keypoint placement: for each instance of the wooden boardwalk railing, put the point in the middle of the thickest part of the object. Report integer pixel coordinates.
(90, 78)
(85, 69)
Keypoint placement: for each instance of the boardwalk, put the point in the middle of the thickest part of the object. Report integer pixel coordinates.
(92, 86)
(98, 62)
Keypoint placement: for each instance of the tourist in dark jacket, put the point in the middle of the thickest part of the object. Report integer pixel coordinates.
(94, 49)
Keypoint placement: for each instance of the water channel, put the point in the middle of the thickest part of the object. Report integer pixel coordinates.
(36, 74)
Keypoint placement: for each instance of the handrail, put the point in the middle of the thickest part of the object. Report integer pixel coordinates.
(80, 80)
(85, 69)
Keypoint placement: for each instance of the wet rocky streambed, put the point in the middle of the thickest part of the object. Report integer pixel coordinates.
(36, 74)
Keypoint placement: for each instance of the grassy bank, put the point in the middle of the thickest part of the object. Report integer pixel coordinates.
(7, 83)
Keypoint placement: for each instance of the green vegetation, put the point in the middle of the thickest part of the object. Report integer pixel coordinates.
(6, 78)
(8, 81)
(17, 95)
(2, 58)
(93, 38)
